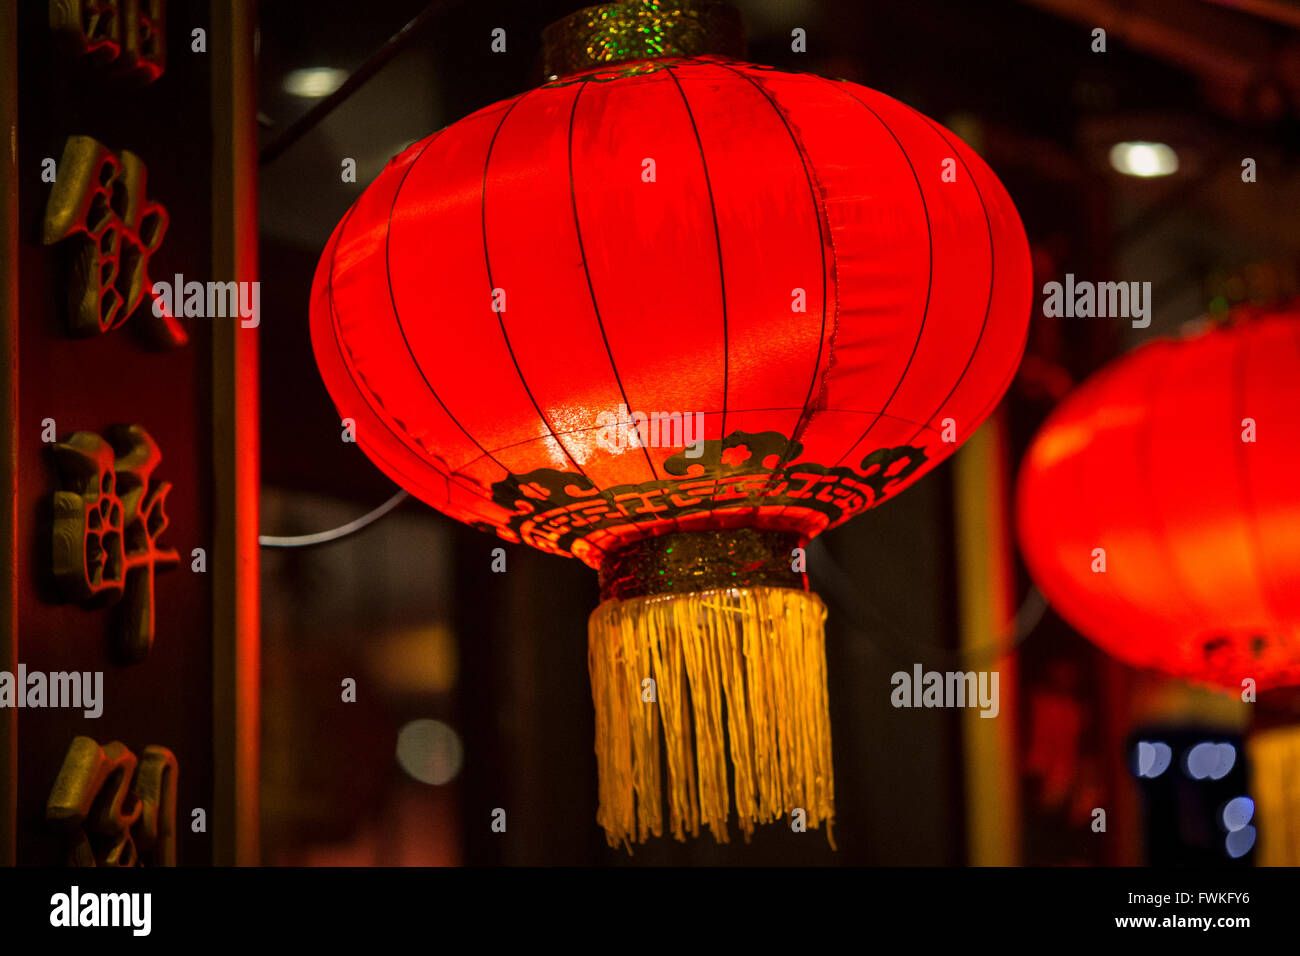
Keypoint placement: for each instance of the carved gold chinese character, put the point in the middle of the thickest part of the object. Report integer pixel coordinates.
(98, 208)
(127, 37)
(115, 810)
(108, 517)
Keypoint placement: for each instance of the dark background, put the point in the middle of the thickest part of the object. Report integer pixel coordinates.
(504, 655)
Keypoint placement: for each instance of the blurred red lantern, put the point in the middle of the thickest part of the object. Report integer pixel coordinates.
(833, 286)
(1176, 467)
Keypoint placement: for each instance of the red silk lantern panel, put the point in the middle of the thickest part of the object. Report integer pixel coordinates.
(823, 273)
(1200, 528)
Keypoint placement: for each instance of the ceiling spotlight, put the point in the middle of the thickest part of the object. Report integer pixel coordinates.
(1144, 159)
(314, 82)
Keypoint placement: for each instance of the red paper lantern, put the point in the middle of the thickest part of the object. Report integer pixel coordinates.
(832, 285)
(1179, 462)
(771, 191)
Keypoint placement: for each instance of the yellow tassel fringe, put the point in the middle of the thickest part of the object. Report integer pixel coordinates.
(760, 648)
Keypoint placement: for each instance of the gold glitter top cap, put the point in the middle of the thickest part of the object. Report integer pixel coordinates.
(640, 30)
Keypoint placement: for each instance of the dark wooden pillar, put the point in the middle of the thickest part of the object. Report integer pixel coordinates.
(236, 672)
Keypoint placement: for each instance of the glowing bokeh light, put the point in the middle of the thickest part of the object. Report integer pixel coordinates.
(430, 751)
(1212, 761)
(1237, 812)
(314, 82)
(1153, 759)
(1144, 160)
(1239, 842)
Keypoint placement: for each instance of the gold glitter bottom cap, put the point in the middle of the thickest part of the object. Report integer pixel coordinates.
(736, 673)
(700, 560)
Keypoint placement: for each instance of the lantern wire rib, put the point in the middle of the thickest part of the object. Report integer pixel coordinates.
(820, 212)
(993, 269)
(366, 397)
(717, 244)
(342, 531)
(824, 236)
(404, 439)
(929, 281)
(401, 329)
(334, 321)
(487, 265)
(586, 271)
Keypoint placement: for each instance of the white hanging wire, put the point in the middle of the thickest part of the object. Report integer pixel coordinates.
(342, 531)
